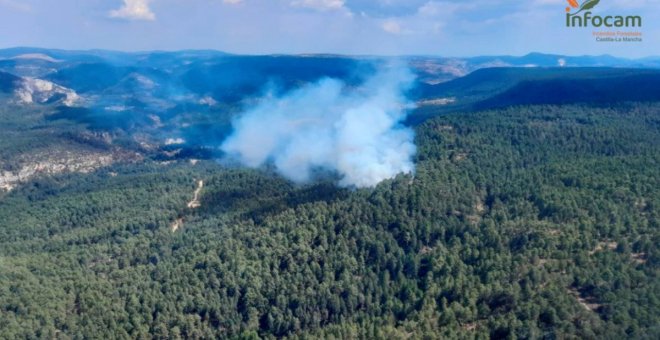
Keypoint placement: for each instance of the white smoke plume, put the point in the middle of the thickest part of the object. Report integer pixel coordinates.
(356, 132)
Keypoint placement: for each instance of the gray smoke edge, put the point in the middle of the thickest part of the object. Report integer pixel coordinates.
(355, 132)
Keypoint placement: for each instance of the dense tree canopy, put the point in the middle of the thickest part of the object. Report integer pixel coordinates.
(526, 222)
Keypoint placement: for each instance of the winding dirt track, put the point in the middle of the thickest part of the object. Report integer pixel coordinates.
(195, 203)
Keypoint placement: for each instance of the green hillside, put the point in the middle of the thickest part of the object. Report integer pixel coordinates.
(525, 222)
(502, 87)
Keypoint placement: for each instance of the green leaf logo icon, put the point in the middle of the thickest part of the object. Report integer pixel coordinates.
(586, 5)
(589, 4)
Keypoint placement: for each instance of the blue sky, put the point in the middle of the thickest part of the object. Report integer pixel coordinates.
(376, 27)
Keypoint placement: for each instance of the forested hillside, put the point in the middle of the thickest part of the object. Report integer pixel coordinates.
(500, 87)
(525, 222)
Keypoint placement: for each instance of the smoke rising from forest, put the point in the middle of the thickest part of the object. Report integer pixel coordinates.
(356, 132)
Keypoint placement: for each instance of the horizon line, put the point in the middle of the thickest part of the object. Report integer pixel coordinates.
(134, 52)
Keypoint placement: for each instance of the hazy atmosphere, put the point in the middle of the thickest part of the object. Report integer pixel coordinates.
(390, 27)
(329, 169)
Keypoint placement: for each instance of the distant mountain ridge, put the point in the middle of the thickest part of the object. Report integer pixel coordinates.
(185, 94)
(432, 69)
(508, 86)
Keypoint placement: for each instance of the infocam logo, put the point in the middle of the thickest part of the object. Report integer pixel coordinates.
(582, 17)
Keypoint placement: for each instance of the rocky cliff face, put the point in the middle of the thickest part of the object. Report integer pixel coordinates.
(32, 90)
(58, 163)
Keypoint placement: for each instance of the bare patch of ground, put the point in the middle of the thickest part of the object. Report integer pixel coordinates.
(426, 250)
(589, 303)
(604, 246)
(437, 102)
(460, 156)
(445, 128)
(639, 258)
(195, 203)
(177, 224)
(172, 153)
(479, 207)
